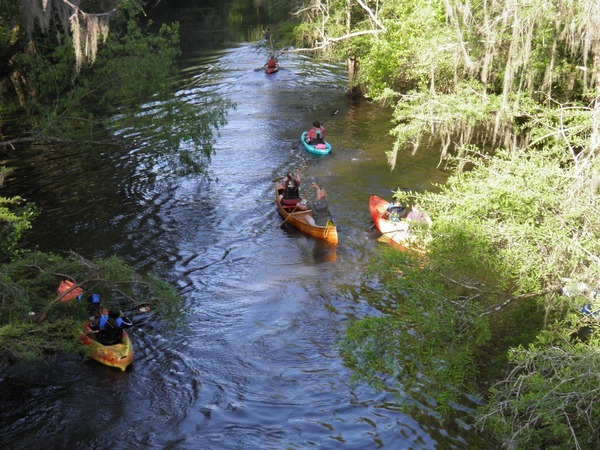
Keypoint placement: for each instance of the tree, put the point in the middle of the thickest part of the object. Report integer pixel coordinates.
(548, 399)
(87, 26)
(15, 219)
(85, 86)
(33, 320)
(129, 82)
(462, 71)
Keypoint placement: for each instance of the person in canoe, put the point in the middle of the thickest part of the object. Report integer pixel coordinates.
(395, 211)
(109, 328)
(289, 189)
(417, 215)
(316, 135)
(321, 215)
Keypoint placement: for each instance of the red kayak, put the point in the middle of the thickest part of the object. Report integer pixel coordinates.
(394, 231)
(397, 232)
(270, 70)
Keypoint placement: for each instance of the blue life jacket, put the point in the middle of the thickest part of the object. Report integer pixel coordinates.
(103, 322)
(397, 212)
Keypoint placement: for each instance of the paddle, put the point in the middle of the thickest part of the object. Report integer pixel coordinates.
(399, 230)
(141, 308)
(299, 169)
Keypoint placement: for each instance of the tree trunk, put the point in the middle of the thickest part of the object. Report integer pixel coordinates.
(353, 63)
(595, 137)
(353, 69)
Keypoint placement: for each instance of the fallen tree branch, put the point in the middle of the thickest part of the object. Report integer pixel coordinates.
(520, 297)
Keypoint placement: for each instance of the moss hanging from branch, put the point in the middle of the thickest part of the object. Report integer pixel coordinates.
(86, 28)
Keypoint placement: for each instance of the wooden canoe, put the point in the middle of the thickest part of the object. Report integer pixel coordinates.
(118, 355)
(395, 231)
(298, 220)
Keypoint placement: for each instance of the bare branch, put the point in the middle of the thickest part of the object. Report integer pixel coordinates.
(331, 41)
(371, 15)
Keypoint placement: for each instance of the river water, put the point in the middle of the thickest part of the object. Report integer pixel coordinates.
(257, 364)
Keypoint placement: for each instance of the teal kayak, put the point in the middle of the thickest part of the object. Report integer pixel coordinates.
(318, 149)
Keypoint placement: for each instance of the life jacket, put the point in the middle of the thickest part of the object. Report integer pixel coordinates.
(103, 322)
(106, 323)
(291, 190)
(111, 331)
(396, 211)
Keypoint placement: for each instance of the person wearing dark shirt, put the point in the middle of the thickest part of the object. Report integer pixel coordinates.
(321, 215)
(289, 189)
(396, 211)
(109, 328)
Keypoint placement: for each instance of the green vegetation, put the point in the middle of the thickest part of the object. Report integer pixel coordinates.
(34, 322)
(93, 76)
(511, 90)
(105, 83)
(15, 219)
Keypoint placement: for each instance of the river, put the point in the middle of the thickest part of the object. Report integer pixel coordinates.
(257, 363)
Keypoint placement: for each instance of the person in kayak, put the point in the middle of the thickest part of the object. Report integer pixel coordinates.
(317, 134)
(271, 63)
(109, 328)
(417, 215)
(289, 189)
(94, 307)
(321, 215)
(395, 211)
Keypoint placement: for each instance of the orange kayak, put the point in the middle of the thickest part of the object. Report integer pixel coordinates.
(394, 231)
(117, 355)
(67, 291)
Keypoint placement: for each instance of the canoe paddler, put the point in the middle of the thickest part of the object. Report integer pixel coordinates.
(320, 207)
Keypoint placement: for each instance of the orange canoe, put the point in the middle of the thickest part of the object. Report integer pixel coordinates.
(297, 219)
